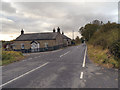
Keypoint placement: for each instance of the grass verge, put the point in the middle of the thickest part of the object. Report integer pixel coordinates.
(102, 57)
(10, 57)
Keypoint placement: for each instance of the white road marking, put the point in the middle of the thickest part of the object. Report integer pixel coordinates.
(84, 58)
(56, 50)
(1, 66)
(23, 74)
(23, 60)
(64, 54)
(26, 59)
(30, 58)
(81, 75)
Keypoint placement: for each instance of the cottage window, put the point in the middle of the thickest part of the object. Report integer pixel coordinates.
(22, 46)
(13, 46)
(7, 46)
(46, 45)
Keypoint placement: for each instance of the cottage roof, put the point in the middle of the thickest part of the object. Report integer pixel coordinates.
(38, 36)
(65, 37)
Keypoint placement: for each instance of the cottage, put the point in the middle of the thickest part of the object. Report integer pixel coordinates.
(35, 41)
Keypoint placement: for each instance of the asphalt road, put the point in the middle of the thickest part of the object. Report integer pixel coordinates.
(64, 68)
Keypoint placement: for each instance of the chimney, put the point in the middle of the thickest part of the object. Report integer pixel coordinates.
(58, 30)
(62, 33)
(22, 32)
(53, 29)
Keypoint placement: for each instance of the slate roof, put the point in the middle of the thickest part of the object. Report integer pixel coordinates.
(65, 37)
(39, 36)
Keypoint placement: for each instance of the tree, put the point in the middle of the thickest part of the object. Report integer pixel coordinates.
(77, 40)
(88, 31)
(108, 26)
(96, 22)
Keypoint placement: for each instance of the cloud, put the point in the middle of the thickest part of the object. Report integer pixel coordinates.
(119, 12)
(44, 16)
(8, 25)
(7, 7)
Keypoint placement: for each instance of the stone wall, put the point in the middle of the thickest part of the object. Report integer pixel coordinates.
(59, 39)
(27, 44)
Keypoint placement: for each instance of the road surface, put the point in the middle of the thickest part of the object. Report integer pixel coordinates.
(63, 68)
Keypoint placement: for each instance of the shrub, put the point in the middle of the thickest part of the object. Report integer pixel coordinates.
(10, 56)
(115, 49)
(7, 55)
(104, 39)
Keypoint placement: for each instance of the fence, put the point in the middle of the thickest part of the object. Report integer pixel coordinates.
(40, 49)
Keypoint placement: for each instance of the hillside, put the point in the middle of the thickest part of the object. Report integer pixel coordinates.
(105, 40)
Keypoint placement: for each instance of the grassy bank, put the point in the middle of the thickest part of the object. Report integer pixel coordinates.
(106, 41)
(102, 57)
(10, 56)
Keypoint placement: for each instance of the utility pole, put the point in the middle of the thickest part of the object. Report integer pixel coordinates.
(73, 34)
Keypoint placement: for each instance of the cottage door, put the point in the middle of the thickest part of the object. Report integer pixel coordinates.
(34, 46)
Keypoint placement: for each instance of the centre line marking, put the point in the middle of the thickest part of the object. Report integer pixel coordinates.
(81, 75)
(30, 58)
(64, 54)
(84, 57)
(23, 74)
(23, 60)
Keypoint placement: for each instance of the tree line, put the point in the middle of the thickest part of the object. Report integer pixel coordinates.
(105, 35)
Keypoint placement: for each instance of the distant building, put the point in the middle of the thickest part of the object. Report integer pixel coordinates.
(41, 40)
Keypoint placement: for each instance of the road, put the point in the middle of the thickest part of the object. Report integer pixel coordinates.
(63, 68)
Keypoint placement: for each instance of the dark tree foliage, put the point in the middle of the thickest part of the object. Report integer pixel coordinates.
(115, 49)
(77, 40)
(108, 26)
(88, 31)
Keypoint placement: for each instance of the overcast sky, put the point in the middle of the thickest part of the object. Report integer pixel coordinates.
(37, 17)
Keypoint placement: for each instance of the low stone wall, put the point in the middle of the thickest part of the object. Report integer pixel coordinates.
(40, 49)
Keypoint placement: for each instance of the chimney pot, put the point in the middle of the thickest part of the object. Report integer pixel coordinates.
(62, 33)
(22, 32)
(58, 30)
(54, 30)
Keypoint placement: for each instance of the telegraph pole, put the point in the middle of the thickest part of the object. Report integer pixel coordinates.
(73, 34)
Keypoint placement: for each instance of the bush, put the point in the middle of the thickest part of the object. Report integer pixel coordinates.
(104, 39)
(102, 57)
(7, 55)
(102, 42)
(10, 56)
(115, 49)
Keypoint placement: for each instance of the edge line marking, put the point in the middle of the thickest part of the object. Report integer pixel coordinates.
(24, 74)
(84, 57)
(81, 75)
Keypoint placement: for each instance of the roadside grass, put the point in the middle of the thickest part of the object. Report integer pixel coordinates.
(10, 57)
(78, 44)
(102, 57)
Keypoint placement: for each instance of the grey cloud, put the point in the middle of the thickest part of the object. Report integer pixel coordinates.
(40, 17)
(7, 7)
(48, 10)
(119, 12)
